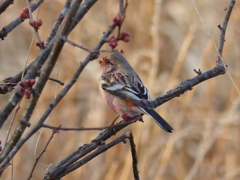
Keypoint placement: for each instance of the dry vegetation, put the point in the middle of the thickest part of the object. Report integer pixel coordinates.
(167, 42)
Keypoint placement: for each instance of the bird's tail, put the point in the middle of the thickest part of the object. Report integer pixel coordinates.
(158, 119)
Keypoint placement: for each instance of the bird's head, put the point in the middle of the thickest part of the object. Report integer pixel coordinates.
(113, 61)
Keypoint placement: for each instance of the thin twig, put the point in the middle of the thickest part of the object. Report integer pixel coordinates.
(57, 81)
(76, 45)
(11, 123)
(223, 31)
(34, 29)
(40, 155)
(122, 12)
(84, 48)
(52, 79)
(121, 7)
(134, 157)
(88, 129)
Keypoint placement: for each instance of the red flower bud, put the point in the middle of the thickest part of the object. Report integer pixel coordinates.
(27, 82)
(21, 84)
(113, 42)
(124, 36)
(32, 22)
(117, 20)
(39, 23)
(21, 89)
(35, 24)
(32, 82)
(28, 93)
(41, 44)
(121, 51)
(24, 14)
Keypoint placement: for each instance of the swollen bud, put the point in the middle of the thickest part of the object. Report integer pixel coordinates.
(39, 22)
(124, 36)
(32, 22)
(24, 14)
(21, 89)
(41, 44)
(35, 24)
(28, 93)
(113, 42)
(117, 20)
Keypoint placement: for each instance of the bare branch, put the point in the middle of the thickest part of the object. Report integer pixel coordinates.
(5, 4)
(34, 28)
(76, 45)
(100, 150)
(59, 20)
(59, 128)
(7, 29)
(134, 157)
(43, 151)
(189, 84)
(223, 29)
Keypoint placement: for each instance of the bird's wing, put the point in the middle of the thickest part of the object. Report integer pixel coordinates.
(133, 91)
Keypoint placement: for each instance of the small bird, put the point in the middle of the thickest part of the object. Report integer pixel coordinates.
(123, 91)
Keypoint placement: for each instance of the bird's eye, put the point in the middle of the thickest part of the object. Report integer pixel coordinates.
(107, 61)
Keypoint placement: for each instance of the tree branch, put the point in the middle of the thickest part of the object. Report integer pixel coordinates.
(5, 4)
(7, 29)
(223, 29)
(100, 150)
(134, 157)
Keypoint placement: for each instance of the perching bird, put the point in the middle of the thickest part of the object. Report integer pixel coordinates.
(124, 92)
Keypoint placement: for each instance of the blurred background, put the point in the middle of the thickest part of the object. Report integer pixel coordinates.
(167, 42)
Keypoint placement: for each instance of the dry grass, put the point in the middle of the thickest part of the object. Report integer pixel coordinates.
(167, 42)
